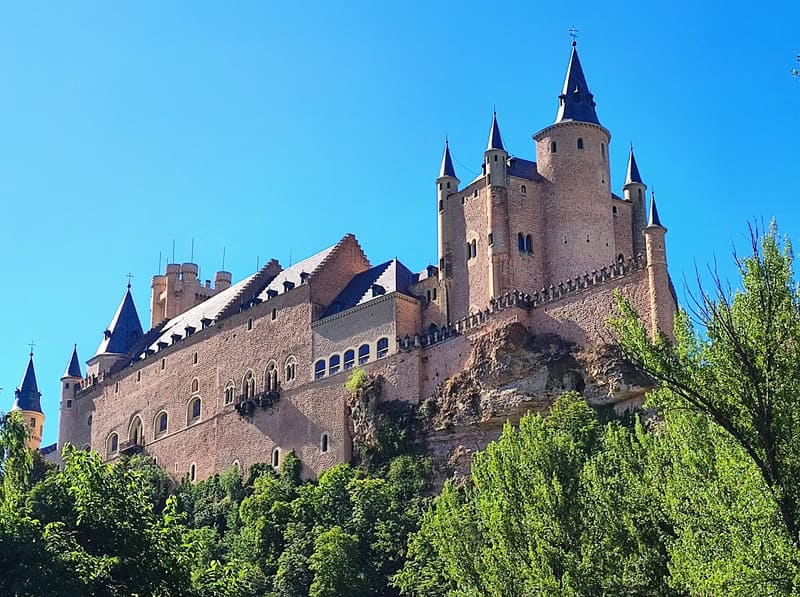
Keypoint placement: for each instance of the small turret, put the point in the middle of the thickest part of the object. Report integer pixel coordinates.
(496, 156)
(446, 186)
(662, 300)
(123, 331)
(634, 191)
(27, 399)
(576, 102)
(222, 280)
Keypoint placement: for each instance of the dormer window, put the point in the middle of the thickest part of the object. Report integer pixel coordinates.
(272, 293)
(287, 285)
(304, 276)
(378, 290)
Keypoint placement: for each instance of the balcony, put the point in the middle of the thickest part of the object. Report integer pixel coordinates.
(247, 405)
(131, 447)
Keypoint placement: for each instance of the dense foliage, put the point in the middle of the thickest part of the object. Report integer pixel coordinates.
(701, 497)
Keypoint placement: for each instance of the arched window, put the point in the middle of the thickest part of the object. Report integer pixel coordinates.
(290, 369)
(333, 364)
(363, 354)
(349, 359)
(383, 347)
(614, 209)
(520, 242)
(89, 420)
(553, 147)
(580, 142)
(620, 258)
(112, 444)
(160, 424)
(230, 392)
(528, 244)
(523, 189)
(319, 369)
(276, 457)
(195, 386)
(135, 434)
(192, 472)
(194, 410)
(433, 294)
(324, 442)
(271, 377)
(249, 385)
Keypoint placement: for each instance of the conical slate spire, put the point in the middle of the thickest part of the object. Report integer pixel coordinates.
(447, 162)
(654, 219)
(74, 366)
(576, 102)
(495, 140)
(27, 395)
(633, 170)
(124, 330)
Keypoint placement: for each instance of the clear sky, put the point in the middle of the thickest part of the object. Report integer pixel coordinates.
(272, 129)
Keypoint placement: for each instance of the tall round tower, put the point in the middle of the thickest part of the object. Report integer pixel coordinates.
(495, 160)
(27, 399)
(572, 157)
(446, 185)
(634, 191)
(70, 382)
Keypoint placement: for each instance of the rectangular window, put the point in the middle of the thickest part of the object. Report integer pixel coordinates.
(69, 403)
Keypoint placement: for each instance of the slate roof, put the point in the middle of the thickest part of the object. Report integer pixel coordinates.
(74, 365)
(27, 395)
(495, 140)
(523, 169)
(391, 276)
(654, 219)
(125, 328)
(633, 170)
(576, 102)
(447, 162)
(292, 273)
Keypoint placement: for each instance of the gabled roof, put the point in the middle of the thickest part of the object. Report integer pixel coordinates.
(292, 274)
(391, 276)
(576, 102)
(495, 140)
(447, 162)
(125, 328)
(633, 170)
(74, 365)
(27, 395)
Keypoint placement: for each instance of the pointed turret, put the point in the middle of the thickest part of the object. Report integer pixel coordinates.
(447, 162)
(124, 330)
(27, 395)
(576, 102)
(27, 399)
(633, 170)
(654, 220)
(495, 140)
(73, 369)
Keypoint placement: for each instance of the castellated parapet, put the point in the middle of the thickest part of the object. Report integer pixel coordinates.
(238, 373)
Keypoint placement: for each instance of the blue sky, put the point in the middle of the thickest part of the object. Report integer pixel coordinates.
(272, 130)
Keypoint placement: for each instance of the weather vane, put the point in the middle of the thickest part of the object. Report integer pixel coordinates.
(573, 33)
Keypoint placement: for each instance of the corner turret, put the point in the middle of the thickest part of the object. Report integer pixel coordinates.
(496, 156)
(634, 191)
(446, 186)
(27, 399)
(662, 299)
(495, 166)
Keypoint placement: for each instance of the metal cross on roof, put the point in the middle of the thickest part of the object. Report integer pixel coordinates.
(31, 345)
(129, 276)
(573, 33)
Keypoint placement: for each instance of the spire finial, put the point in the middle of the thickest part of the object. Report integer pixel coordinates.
(31, 347)
(495, 140)
(447, 162)
(129, 276)
(573, 33)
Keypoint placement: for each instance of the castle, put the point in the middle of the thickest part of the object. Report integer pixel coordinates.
(234, 374)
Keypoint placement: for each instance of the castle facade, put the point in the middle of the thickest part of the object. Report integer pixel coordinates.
(234, 374)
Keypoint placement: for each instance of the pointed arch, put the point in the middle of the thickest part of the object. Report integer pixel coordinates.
(136, 431)
(249, 384)
(271, 377)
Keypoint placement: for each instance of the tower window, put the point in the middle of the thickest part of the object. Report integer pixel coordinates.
(195, 387)
(363, 354)
(603, 150)
(523, 189)
(89, 420)
(580, 142)
(334, 364)
(553, 147)
(433, 294)
(271, 377)
(476, 192)
(319, 369)
(276, 457)
(290, 369)
(230, 391)
(383, 347)
(349, 359)
(495, 157)
(614, 209)
(448, 184)
(194, 359)
(640, 193)
(250, 324)
(194, 410)
(161, 424)
(138, 376)
(441, 205)
(324, 442)
(491, 238)
(69, 403)
(163, 364)
(112, 445)
(274, 314)
(192, 472)
(520, 242)
(249, 385)
(528, 244)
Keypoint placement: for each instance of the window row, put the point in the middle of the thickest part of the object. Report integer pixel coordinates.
(554, 147)
(336, 363)
(160, 427)
(271, 380)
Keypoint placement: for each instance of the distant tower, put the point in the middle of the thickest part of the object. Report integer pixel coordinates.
(70, 382)
(572, 157)
(446, 186)
(634, 191)
(27, 399)
(125, 329)
(495, 160)
(662, 300)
